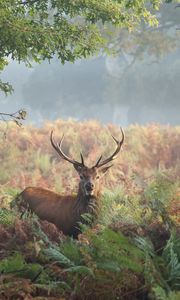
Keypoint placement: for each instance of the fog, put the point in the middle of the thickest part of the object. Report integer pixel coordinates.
(122, 89)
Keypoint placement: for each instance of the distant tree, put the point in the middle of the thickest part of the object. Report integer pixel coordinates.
(34, 30)
(154, 42)
(150, 52)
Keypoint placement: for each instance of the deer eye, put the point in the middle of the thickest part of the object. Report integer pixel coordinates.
(97, 177)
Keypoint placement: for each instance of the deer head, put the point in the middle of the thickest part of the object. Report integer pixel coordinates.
(89, 177)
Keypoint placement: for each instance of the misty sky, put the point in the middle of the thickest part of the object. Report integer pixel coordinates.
(95, 89)
(110, 89)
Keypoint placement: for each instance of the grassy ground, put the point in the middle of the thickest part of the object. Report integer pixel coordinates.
(133, 250)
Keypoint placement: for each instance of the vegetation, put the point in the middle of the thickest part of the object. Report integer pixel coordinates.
(132, 252)
(150, 42)
(32, 31)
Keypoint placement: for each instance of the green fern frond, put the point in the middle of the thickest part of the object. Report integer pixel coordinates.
(56, 256)
(53, 286)
(82, 270)
(71, 250)
(7, 217)
(159, 293)
(145, 245)
(173, 295)
(115, 250)
(171, 257)
(17, 265)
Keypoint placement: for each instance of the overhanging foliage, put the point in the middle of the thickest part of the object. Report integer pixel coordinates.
(33, 30)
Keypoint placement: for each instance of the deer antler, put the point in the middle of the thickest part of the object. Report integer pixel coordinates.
(57, 147)
(114, 155)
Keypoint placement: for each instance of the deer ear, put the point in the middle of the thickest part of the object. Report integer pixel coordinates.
(105, 169)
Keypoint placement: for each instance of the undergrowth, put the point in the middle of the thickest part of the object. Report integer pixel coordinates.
(132, 251)
(119, 258)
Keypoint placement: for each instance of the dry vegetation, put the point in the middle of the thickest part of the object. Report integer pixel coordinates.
(133, 250)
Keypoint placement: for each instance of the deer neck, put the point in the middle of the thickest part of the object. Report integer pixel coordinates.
(87, 203)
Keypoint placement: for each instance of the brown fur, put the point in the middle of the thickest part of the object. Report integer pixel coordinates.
(63, 211)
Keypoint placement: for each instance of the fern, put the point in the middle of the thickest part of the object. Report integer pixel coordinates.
(161, 188)
(12, 264)
(56, 256)
(38, 232)
(16, 265)
(57, 287)
(159, 210)
(171, 257)
(145, 245)
(7, 217)
(82, 270)
(120, 207)
(111, 206)
(71, 250)
(161, 294)
(173, 295)
(113, 251)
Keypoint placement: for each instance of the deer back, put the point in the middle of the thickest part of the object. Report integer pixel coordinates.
(63, 211)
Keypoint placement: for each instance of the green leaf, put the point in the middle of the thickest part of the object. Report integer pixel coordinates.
(80, 270)
(12, 264)
(38, 30)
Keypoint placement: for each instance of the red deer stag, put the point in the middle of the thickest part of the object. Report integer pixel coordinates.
(66, 211)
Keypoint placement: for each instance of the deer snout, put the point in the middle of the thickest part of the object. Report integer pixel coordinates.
(89, 186)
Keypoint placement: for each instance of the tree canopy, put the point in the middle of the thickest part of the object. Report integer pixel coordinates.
(34, 30)
(155, 42)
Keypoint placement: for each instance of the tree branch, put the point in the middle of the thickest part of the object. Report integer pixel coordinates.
(29, 2)
(17, 116)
